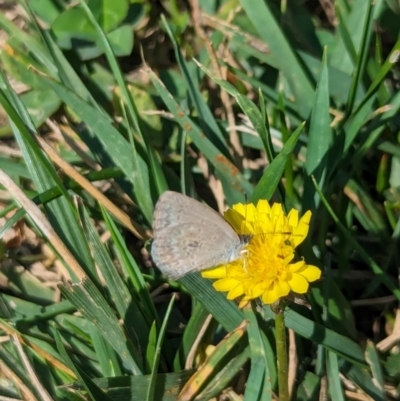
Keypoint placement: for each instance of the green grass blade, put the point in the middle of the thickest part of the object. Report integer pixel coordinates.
(271, 178)
(227, 170)
(362, 58)
(160, 340)
(380, 274)
(94, 392)
(259, 381)
(132, 270)
(374, 362)
(115, 144)
(93, 306)
(271, 33)
(129, 311)
(61, 212)
(319, 134)
(108, 358)
(332, 371)
(224, 377)
(321, 335)
(154, 167)
(224, 311)
(207, 120)
(362, 378)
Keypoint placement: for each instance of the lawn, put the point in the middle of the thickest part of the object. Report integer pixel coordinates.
(283, 116)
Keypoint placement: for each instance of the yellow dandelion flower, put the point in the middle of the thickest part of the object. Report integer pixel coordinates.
(267, 269)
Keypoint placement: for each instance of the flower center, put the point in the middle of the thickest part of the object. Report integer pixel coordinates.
(268, 257)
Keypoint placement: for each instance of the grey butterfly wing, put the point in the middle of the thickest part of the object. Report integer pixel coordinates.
(189, 236)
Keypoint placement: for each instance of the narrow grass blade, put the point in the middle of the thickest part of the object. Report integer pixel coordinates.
(154, 167)
(94, 392)
(321, 335)
(225, 376)
(380, 274)
(349, 36)
(257, 118)
(61, 212)
(128, 309)
(92, 305)
(272, 176)
(224, 311)
(117, 148)
(134, 388)
(362, 378)
(227, 170)
(140, 288)
(380, 76)
(319, 133)
(332, 371)
(207, 120)
(108, 358)
(272, 34)
(362, 58)
(151, 349)
(374, 362)
(259, 382)
(220, 354)
(160, 340)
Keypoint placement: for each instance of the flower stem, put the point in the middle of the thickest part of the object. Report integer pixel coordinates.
(281, 352)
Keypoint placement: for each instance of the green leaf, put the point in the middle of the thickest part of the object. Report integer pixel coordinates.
(373, 359)
(121, 40)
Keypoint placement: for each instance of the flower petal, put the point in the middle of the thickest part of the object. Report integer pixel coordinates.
(234, 218)
(269, 297)
(283, 288)
(263, 207)
(298, 283)
(276, 210)
(293, 218)
(258, 289)
(295, 267)
(311, 273)
(225, 284)
(215, 272)
(300, 232)
(244, 301)
(235, 292)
